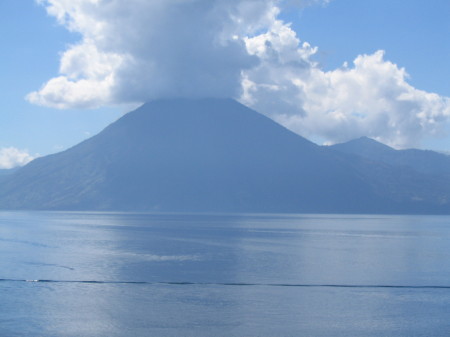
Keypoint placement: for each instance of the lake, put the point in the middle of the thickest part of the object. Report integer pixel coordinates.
(123, 274)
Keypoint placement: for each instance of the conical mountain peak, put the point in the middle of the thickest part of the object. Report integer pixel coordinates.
(202, 155)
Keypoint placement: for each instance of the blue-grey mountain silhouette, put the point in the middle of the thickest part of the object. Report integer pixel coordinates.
(214, 155)
(4, 173)
(424, 161)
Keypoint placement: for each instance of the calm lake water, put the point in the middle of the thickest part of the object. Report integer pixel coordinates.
(104, 274)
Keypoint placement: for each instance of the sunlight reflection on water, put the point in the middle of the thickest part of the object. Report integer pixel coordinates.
(119, 274)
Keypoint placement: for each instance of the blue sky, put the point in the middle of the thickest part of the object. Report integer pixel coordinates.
(32, 42)
(413, 34)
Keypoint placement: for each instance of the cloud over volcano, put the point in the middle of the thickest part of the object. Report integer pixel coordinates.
(134, 51)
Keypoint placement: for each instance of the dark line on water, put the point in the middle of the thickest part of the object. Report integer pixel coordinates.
(231, 284)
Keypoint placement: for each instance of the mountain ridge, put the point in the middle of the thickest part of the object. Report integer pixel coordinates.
(423, 161)
(211, 155)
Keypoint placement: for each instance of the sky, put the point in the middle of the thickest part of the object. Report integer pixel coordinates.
(329, 70)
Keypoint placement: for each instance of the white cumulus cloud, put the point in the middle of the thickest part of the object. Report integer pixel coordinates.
(137, 50)
(370, 98)
(11, 157)
(132, 51)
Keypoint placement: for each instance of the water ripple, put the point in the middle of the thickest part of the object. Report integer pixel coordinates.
(240, 284)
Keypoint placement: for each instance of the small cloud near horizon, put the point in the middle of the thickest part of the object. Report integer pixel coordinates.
(11, 157)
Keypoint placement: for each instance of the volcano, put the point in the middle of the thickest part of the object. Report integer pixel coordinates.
(205, 155)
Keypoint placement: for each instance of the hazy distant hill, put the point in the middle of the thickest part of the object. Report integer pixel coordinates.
(417, 179)
(424, 161)
(214, 155)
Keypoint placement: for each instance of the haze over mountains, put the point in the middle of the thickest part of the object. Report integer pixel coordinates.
(216, 155)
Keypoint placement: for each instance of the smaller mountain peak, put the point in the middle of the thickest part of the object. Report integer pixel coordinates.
(364, 146)
(365, 138)
(365, 141)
